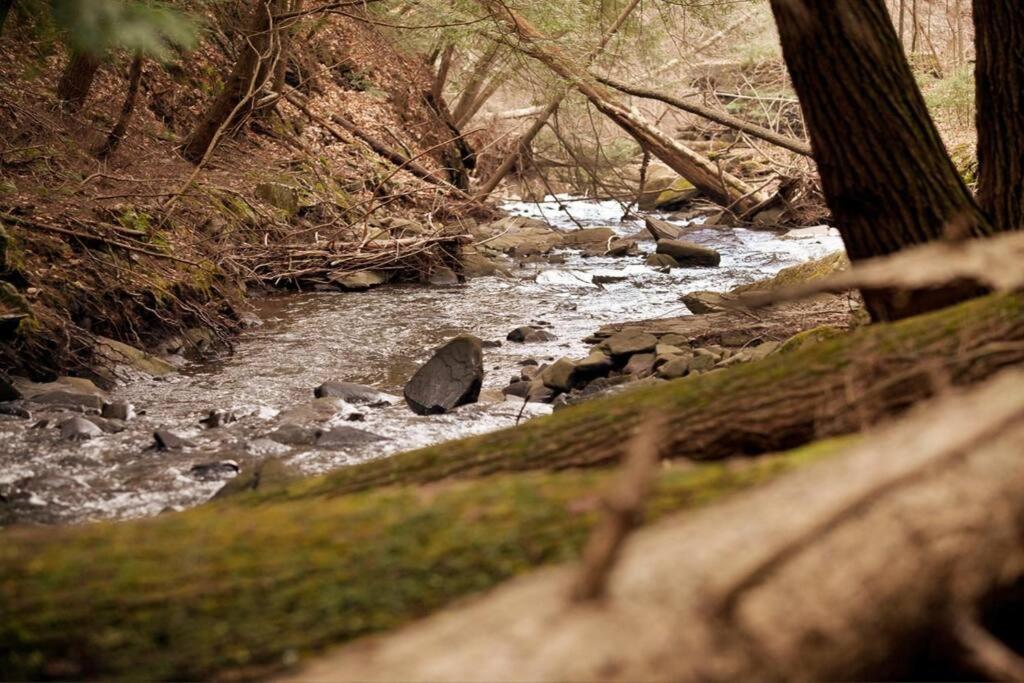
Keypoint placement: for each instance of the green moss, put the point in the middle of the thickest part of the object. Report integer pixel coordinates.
(228, 587)
(812, 336)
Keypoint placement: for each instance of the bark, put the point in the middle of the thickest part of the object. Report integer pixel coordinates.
(864, 567)
(76, 81)
(721, 117)
(131, 97)
(475, 85)
(785, 400)
(885, 173)
(999, 76)
(5, 9)
(237, 99)
(719, 186)
(236, 589)
(486, 94)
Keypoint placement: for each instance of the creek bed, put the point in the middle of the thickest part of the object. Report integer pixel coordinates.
(378, 338)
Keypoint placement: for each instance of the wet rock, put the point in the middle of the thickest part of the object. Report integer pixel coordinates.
(815, 231)
(629, 342)
(69, 399)
(79, 429)
(622, 247)
(356, 394)
(529, 334)
(475, 264)
(451, 378)
(443, 277)
(678, 193)
(589, 236)
(689, 254)
(661, 261)
(218, 418)
(15, 409)
(519, 389)
(117, 360)
(105, 425)
(358, 282)
(218, 469)
(640, 365)
(8, 392)
(490, 344)
(597, 364)
(294, 435)
(169, 441)
(264, 475)
(346, 437)
(702, 302)
(609, 278)
(529, 372)
(662, 230)
(560, 375)
(675, 368)
(118, 410)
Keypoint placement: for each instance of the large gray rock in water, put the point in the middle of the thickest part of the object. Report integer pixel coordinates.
(79, 429)
(688, 253)
(451, 378)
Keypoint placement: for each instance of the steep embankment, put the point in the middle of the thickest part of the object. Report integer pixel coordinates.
(144, 245)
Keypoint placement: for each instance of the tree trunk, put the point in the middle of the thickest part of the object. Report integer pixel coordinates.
(724, 118)
(76, 81)
(131, 97)
(999, 75)
(526, 140)
(865, 567)
(478, 76)
(5, 9)
(780, 402)
(237, 98)
(884, 170)
(719, 186)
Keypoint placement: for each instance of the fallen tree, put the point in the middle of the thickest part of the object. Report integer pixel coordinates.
(877, 564)
(229, 587)
(828, 389)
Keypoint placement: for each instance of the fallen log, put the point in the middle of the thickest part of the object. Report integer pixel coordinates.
(873, 565)
(239, 589)
(828, 389)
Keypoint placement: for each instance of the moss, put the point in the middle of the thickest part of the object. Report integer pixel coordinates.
(229, 587)
(799, 274)
(812, 336)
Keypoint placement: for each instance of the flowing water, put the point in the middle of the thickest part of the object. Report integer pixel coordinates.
(378, 338)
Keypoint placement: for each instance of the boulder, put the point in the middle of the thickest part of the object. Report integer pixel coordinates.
(358, 282)
(529, 334)
(662, 230)
(597, 364)
(588, 236)
(279, 196)
(346, 437)
(675, 368)
(294, 435)
(676, 194)
(629, 342)
(105, 425)
(356, 394)
(622, 247)
(661, 261)
(475, 264)
(113, 355)
(689, 253)
(701, 302)
(118, 410)
(79, 429)
(560, 375)
(640, 365)
(451, 378)
(169, 441)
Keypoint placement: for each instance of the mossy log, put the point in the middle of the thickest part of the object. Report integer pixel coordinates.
(828, 389)
(229, 589)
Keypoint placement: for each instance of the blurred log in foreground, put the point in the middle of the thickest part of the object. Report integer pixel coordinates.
(887, 561)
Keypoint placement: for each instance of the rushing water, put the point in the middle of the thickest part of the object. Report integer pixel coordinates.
(378, 338)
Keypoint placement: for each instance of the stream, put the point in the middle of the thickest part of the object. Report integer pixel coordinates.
(377, 338)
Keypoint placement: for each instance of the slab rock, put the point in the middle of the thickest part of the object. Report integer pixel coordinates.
(451, 378)
(356, 394)
(529, 334)
(689, 253)
(629, 342)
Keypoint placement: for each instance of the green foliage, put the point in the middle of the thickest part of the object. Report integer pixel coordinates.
(953, 95)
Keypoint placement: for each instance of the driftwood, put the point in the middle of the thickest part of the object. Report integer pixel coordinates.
(859, 568)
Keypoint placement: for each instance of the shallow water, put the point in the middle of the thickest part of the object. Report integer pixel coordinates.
(379, 338)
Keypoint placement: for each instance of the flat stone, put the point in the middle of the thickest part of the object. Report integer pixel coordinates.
(689, 254)
(597, 364)
(346, 437)
(629, 342)
(702, 302)
(675, 368)
(588, 236)
(662, 230)
(356, 394)
(661, 261)
(451, 378)
(640, 365)
(115, 354)
(169, 441)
